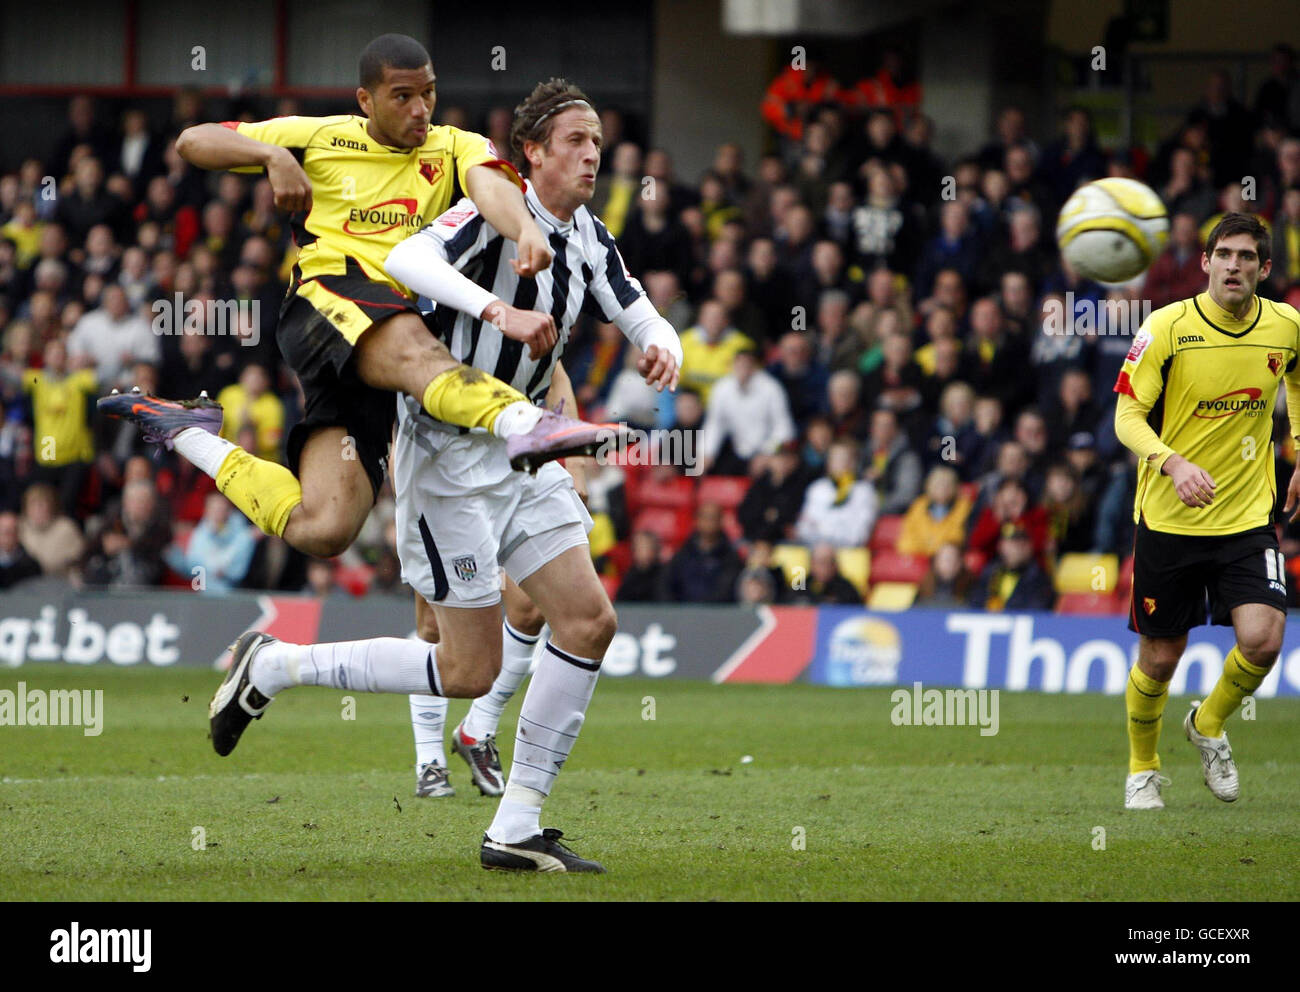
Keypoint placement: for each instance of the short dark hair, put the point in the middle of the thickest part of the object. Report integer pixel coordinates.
(535, 117)
(1240, 223)
(395, 51)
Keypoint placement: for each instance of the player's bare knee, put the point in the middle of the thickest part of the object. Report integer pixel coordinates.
(525, 617)
(477, 684)
(1262, 649)
(329, 538)
(426, 626)
(599, 628)
(1158, 657)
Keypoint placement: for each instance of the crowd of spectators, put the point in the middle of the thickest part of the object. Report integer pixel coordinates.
(864, 326)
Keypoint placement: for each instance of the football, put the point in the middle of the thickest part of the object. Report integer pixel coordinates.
(1111, 230)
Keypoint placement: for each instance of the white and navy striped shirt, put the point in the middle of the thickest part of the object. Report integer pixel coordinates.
(587, 274)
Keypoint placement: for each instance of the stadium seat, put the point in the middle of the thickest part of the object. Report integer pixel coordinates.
(892, 597)
(1089, 604)
(893, 566)
(1077, 572)
(725, 490)
(884, 536)
(649, 493)
(671, 525)
(855, 565)
(354, 579)
(789, 557)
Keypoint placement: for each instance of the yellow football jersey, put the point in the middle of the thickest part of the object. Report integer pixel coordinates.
(1210, 384)
(366, 197)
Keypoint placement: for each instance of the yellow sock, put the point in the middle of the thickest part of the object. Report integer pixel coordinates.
(265, 491)
(1239, 679)
(468, 398)
(1145, 700)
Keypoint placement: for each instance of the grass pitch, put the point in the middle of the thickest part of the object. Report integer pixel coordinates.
(836, 803)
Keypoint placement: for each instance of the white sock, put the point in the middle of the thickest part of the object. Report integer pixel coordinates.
(206, 451)
(428, 720)
(518, 418)
(380, 664)
(554, 707)
(519, 815)
(516, 658)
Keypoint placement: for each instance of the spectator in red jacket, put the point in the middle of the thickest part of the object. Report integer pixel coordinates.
(1010, 506)
(1177, 275)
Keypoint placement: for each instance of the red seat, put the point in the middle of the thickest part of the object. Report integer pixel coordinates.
(354, 579)
(725, 490)
(670, 525)
(1089, 604)
(893, 566)
(678, 493)
(884, 536)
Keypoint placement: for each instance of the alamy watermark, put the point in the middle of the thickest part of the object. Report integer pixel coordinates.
(90, 946)
(233, 318)
(921, 707)
(1087, 316)
(53, 708)
(631, 446)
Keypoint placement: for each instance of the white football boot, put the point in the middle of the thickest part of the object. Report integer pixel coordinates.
(1216, 757)
(1142, 790)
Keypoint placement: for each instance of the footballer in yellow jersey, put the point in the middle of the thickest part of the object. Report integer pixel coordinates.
(356, 186)
(366, 196)
(1196, 398)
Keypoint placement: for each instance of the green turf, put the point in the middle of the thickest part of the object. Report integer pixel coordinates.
(308, 806)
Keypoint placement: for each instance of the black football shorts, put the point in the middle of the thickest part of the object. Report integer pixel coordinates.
(1180, 579)
(320, 322)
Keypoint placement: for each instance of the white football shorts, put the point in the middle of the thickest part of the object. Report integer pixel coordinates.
(455, 538)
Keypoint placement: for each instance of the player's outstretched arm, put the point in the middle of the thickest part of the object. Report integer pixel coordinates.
(215, 146)
(420, 263)
(661, 363)
(502, 205)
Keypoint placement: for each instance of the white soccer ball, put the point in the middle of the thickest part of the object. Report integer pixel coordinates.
(1111, 230)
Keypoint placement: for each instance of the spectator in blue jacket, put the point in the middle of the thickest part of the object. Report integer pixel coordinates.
(219, 551)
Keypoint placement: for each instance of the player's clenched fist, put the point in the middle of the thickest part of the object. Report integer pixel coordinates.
(290, 184)
(1193, 484)
(658, 366)
(533, 253)
(532, 327)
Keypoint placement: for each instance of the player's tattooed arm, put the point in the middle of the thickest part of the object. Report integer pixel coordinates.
(502, 205)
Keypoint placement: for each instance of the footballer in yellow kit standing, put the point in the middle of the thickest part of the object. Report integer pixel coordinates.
(1197, 393)
(356, 186)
